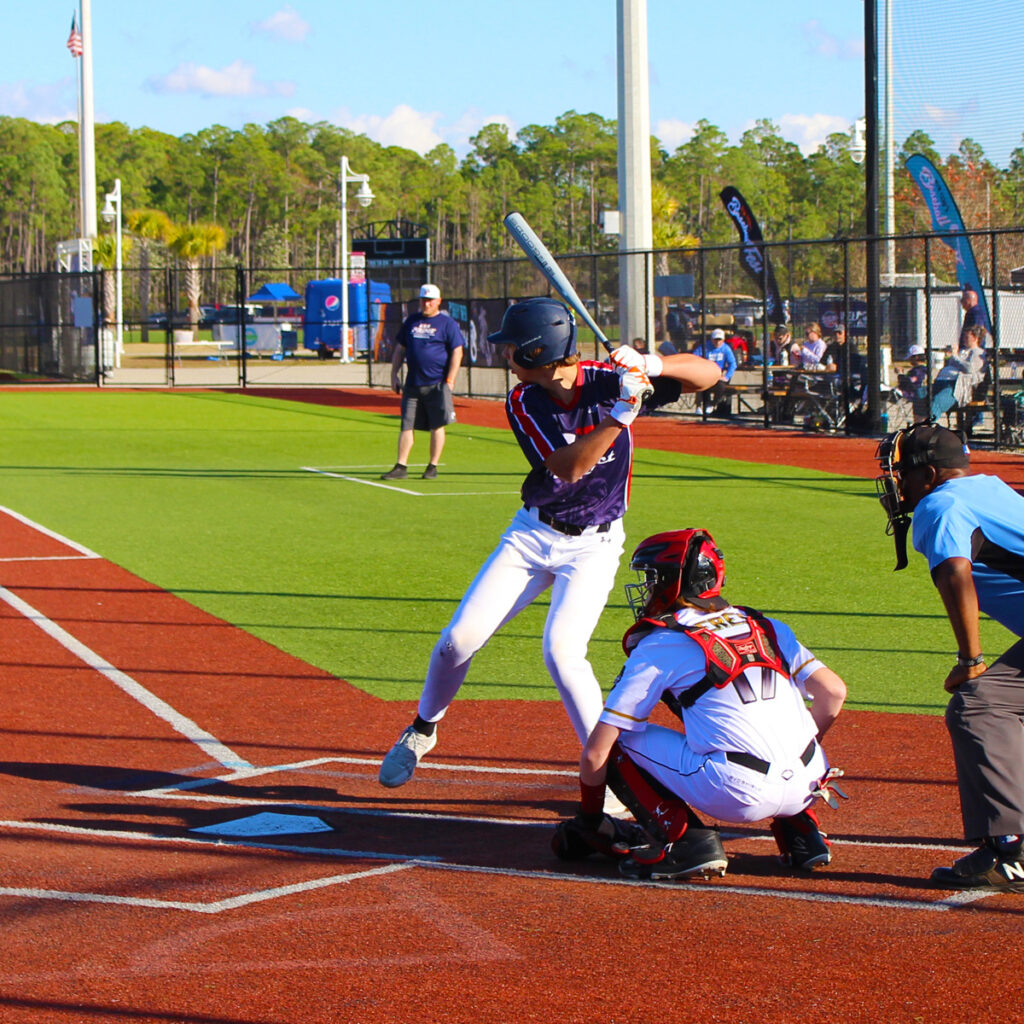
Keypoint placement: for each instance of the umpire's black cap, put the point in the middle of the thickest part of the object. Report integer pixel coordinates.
(931, 445)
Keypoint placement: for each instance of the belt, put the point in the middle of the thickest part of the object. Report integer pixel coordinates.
(569, 529)
(757, 764)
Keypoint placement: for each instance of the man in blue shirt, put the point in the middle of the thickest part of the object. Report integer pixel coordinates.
(971, 530)
(724, 358)
(430, 343)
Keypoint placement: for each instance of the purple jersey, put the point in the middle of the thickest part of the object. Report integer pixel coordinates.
(429, 342)
(542, 425)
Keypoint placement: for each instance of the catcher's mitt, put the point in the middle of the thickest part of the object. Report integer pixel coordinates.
(574, 839)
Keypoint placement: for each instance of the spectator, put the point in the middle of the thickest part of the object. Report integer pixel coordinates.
(722, 356)
(431, 343)
(974, 315)
(913, 385)
(957, 380)
(740, 348)
(640, 344)
(844, 360)
(778, 351)
(809, 355)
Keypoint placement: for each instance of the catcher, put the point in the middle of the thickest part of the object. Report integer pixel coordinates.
(751, 747)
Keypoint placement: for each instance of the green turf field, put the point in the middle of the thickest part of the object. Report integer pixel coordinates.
(212, 497)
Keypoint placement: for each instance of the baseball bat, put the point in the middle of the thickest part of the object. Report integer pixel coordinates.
(542, 259)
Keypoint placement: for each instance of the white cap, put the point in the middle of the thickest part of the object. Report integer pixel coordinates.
(430, 291)
(718, 334)
(915, 350)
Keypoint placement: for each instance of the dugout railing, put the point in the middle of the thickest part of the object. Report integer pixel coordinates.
(185, 327)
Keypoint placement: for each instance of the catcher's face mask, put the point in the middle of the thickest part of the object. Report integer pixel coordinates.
(902, 453)
(890, 494)
(671, 565)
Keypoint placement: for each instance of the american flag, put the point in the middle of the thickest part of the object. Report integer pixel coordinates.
(75, 38)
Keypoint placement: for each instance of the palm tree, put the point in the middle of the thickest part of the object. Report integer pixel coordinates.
(149, 226)
(667, 234)
(190, 243)
(105, 257)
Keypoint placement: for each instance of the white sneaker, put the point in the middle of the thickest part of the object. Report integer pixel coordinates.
(615, 807)
(397, 767)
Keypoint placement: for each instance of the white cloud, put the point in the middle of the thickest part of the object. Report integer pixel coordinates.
(404, 126)
(236, 79)
(941, 116)
(303, 114)
(672, 133)
(286, 24)
(825, 44)
(809, 131)
(47, 104)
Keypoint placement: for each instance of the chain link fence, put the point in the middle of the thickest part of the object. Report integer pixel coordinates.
(211, 327)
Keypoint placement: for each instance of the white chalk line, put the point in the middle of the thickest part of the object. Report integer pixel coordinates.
(39, 528)
(402, 490)
(160, 708)
(49, 558)
(216, 907)
(952, 902)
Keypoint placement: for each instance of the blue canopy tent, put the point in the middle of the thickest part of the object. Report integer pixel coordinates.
(279, 292)
(271, 295)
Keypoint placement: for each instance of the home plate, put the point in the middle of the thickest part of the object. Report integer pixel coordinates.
(267, 824)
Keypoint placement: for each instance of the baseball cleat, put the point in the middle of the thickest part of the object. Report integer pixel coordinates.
(800, 841)
(698, 852)
(993, 867)
(400, 762)
(400, 472)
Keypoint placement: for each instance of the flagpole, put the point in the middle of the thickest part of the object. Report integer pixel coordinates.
(87, 132)
(81, 154)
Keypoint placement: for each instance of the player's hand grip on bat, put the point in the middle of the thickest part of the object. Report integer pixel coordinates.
(634, 387)
(626, 358)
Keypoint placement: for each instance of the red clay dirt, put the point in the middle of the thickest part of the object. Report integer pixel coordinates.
(440, 901)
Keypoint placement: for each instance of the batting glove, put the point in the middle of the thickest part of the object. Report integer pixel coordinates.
(626, 358)
(634, 387)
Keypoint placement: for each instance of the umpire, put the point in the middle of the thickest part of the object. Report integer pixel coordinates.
(971, 530)
(431, 344)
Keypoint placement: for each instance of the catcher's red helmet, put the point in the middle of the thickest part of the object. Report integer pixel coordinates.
(676, 564)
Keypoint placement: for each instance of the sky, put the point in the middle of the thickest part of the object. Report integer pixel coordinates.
(416, 75)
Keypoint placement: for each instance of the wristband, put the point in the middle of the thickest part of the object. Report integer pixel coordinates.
(970, 662)
(653, 364)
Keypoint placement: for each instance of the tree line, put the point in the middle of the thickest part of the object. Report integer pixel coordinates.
(268, 195)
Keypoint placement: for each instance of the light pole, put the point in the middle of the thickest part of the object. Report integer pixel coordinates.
(112, 210)
(364, 197)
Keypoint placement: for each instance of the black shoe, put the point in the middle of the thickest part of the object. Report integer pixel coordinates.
(430, 473)
(400, 472)
(992, 867)
(800, 841)
(699, 852)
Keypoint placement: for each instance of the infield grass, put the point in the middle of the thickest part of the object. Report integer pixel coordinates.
(270, 515)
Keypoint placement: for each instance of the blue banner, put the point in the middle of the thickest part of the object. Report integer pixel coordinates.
(949, 225)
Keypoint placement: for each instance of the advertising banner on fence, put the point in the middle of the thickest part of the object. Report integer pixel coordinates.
(948, 223)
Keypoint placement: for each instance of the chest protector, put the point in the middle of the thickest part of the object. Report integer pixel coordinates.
(726, 658)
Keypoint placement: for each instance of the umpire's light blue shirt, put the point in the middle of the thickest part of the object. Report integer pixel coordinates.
(979, 518)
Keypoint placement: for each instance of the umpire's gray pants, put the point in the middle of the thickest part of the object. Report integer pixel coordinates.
(985, 719)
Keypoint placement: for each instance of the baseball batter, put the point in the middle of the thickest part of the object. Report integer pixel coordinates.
(750, 748)
(571, 419)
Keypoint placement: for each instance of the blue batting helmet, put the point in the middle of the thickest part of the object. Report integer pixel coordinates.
(542, 330)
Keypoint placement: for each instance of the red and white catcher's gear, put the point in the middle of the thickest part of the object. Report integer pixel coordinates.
(676, 564)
